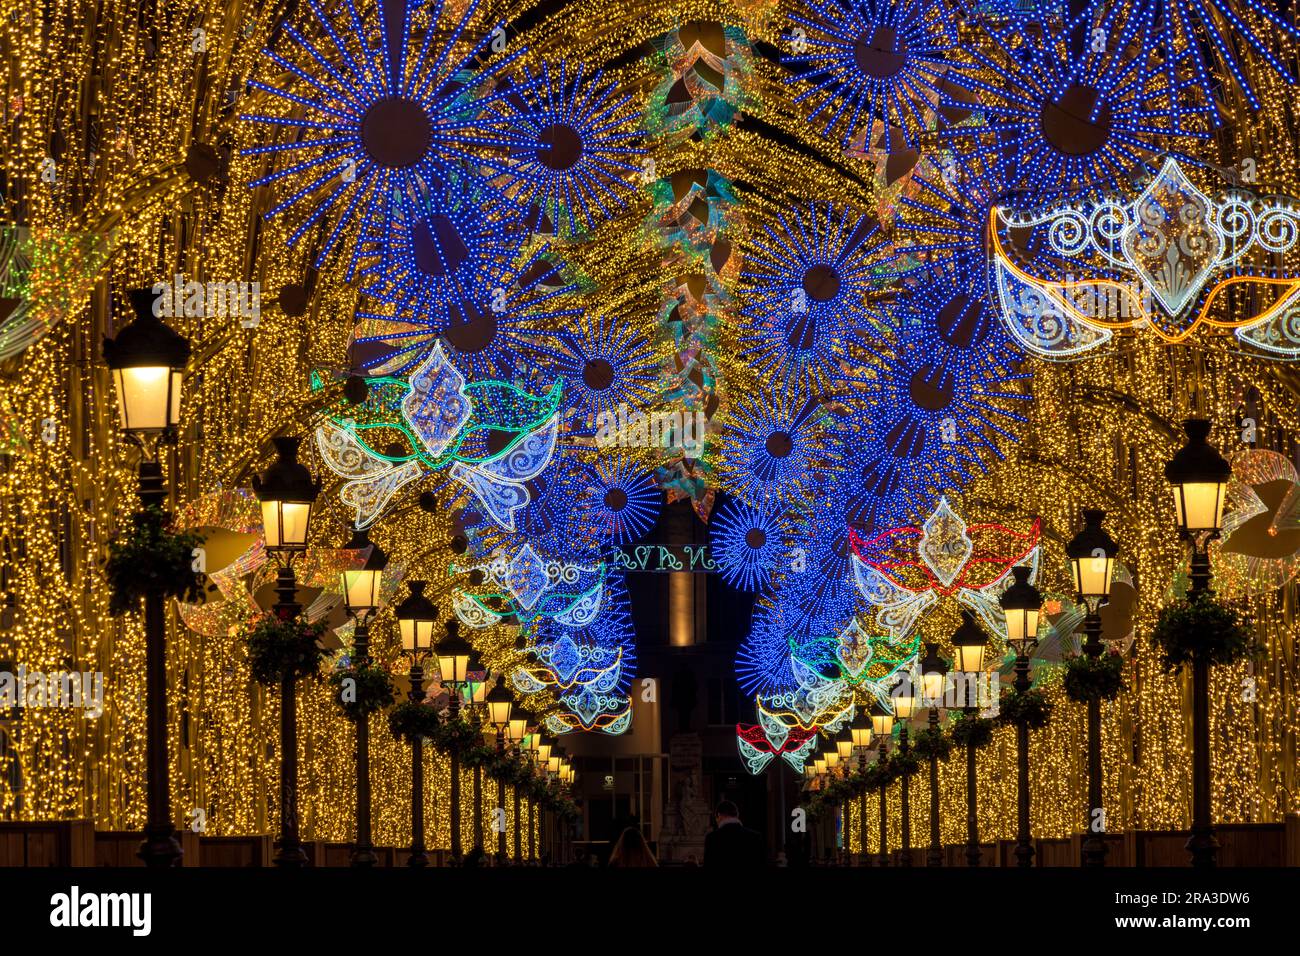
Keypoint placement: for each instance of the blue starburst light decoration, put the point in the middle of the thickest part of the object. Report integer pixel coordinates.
(499, 329)
(873, 61)
(576, 146)
(804, 288)
(930, 421)
(373, 111)
(624, 501)
(1215, 33)
(1075, 123)
(747, 543)
(431, 254)
(774, 444)
(607, 363)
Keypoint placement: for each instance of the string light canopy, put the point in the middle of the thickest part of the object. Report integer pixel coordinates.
(1092, 557)
(287, 493)
(1200, 478)
(416, 616)
(1021, 606)
(148, 362)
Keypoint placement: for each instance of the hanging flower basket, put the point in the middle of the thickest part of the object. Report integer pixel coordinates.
(1030, 707)
(837, 791)
(905, 763)
(509, 769)
(280, 650)
(931, 743)
(371, 690)
(1089, 678)
(456, 736)
(971, 730)
(478, 755)
(411, 720)
(1201, 626)
(149, 558)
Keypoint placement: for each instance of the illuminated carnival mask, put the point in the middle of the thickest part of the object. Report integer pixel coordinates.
(903, 571)
(1164, 261)
(405, 428)
(769, 738)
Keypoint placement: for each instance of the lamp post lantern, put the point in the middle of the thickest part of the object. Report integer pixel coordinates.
(416, 617)
(517, 730)
(860, 734)
(287, 493)
(882, 727)
(1092, 564)
(970, 642)
(1021, 608)
(1200, 475)
(147, 360)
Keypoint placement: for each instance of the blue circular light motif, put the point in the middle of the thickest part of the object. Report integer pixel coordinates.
(579, 141)
(1210, 33)
(773, 445)
(499, 329)
(624, 502)
(804, 288)
(1071, 124)
(434, 251)
(608, 366)
(874, 60)
(372, 115)
(929, 421)
(747, 544)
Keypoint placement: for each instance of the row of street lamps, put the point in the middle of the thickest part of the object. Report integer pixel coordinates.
(1199, 476)
(147, 361)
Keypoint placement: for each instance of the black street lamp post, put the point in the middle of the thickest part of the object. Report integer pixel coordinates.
(1092, 561)
(1200, 478)
(904, 699)
(934, 679)
(454, 653)
(518, 728)
(499, 702)
(1021, 607)
(287, 493)
(416, 617)
(147, 360)
(860, 735)
(882, 728)
(970, 642)
(361, 598)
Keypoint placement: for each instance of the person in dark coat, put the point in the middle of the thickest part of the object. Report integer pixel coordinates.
(732, 844)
